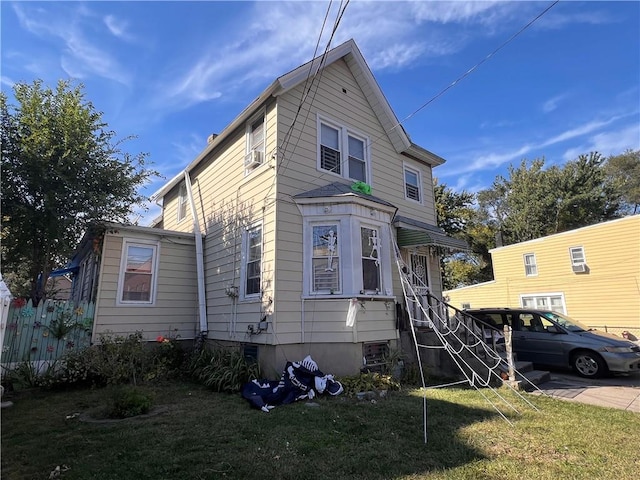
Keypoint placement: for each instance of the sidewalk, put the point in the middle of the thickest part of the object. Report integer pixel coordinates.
(615, 392)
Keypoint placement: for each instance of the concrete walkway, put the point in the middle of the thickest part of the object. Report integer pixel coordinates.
(621, 392)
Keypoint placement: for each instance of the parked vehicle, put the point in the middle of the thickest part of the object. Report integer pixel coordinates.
(552, 339)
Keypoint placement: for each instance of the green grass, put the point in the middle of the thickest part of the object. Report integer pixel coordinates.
(207, 435)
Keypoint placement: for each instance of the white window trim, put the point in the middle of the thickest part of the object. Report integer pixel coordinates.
(545, 295)
(343, 137)
(248, 169)
(243, 262)
(534, 264)
(182, 198)
(573, 261)
(308, 234)
(128, 242)
(351, 281)
(418, 172)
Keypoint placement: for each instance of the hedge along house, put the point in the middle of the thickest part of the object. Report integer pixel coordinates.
(293, 210)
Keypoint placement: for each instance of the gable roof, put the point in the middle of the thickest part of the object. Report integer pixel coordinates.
(353, 57)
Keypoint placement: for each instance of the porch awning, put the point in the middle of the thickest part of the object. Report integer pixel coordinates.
(414, 233)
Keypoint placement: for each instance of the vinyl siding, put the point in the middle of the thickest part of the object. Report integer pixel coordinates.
(325, 320)
(607, 295)
(175, 310)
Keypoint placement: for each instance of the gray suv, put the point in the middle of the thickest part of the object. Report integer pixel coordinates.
(550, 338)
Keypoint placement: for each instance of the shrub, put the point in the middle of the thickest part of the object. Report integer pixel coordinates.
(125, 402)
(223, 370)
(368, 382)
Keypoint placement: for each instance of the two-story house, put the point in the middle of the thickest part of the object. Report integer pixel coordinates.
(591, 274)
(282, 234)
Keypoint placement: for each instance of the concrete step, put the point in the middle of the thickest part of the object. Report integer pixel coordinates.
(530, 379)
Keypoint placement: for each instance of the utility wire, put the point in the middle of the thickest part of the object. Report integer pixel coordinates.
(472, 69)
(451, 85)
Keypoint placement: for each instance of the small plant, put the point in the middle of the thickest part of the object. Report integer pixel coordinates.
(223, 370)
(118, 359)
(127, 401)
(24, 375)
(366, 382)
(62, 325)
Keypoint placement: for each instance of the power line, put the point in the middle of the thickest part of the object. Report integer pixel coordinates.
(472, 69)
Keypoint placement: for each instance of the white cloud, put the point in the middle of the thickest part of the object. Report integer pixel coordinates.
(579, 131)
(605, 142)
(81, 57)
(608, 143)
(391, 35)
(551, 104)
(118, 27)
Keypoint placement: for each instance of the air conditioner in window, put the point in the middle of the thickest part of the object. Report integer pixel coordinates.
(579, 267)
(253, 159)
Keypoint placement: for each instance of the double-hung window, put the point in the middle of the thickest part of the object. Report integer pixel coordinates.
(412, 190)
(182, 203)
(325, 262)
(342, 151)
(252, 265)
(530, 266)
(370, 249)
(138, 274)
(255, 140)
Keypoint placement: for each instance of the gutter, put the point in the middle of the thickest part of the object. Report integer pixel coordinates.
(202, 300)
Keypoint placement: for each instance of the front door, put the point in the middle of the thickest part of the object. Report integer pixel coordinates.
(420, 282)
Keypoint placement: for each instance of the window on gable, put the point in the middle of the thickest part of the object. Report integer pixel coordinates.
(412, 184)
(330, 149)
(357, 162)
(325, 263)
(577, 256)
(530, 267)
(182, 203)
(138, 273)
(252, 268)
(255, 142)
(339, 142)
(370, 242)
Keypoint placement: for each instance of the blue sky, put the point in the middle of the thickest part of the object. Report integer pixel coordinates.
(172, 73)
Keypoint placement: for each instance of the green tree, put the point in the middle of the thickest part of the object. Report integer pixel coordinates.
(458, 217)
(534, 202)
(623, 172)
(62, 170)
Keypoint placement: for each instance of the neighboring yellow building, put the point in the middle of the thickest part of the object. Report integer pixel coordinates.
(591, 274)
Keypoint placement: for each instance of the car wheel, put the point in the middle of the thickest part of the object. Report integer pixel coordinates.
(588, 364)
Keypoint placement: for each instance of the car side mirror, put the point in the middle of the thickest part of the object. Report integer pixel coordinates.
(553, 329)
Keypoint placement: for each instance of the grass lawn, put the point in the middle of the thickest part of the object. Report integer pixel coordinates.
(206, 435)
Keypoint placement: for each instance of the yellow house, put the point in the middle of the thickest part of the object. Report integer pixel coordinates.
(591, 274)
(281, 235)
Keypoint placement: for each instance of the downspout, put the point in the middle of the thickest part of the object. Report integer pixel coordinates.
(202, 301)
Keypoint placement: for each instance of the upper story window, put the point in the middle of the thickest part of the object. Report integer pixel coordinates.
(530, 266)
(255, 142)
(182, 203)
(342, 151)
(412, 183)
(252, 261)
(577, 256)
(137, 280)
(578, 261)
